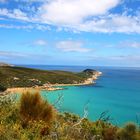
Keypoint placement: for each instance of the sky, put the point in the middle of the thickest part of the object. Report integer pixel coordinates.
(70, 32)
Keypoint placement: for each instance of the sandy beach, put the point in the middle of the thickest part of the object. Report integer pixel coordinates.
(53, 87)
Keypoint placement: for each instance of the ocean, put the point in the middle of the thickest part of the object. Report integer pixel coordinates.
(116, 92)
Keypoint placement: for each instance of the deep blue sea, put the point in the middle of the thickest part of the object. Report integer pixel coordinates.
(117, 92)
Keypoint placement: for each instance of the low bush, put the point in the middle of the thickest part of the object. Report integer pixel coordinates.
(2, 88)
(34, 108)
(109, 133)
(129, 132)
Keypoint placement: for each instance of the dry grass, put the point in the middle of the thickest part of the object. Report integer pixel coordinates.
(34, 108)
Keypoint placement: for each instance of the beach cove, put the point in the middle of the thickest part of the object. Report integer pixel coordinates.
(53, 87)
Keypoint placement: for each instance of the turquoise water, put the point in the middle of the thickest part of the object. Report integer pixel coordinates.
(116, 91)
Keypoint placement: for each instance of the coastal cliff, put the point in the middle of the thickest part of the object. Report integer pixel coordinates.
(92, 74)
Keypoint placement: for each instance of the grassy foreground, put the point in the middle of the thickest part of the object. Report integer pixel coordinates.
(32, 118)
(27, 77)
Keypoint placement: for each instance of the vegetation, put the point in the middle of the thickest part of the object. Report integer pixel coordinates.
(129, 132)
(32, 107)
(32, 118)
(2, 88)
(26, 77)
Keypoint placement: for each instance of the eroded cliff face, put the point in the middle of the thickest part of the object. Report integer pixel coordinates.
(92, 74)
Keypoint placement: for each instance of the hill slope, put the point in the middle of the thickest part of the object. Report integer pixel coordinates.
(26, 77)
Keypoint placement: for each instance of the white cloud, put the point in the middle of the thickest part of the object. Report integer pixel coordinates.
(79, 15)
(4, 12)
(135, 44)
(71, 46)
(67, 12)
(15, 14)
(30, 1)
(111, 23)
(18, 14)
(125, 44)
(22, 57)
(12, 54)
(26, 27)
(40, 42)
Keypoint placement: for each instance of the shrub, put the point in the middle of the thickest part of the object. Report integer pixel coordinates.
(129, 132)
(109, 133)
(34, 108)
(131, 128)
(2, 88)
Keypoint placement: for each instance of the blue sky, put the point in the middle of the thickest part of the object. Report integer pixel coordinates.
(70, 32)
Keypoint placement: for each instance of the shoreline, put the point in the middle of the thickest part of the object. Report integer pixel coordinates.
(54, 87)
(88, 81)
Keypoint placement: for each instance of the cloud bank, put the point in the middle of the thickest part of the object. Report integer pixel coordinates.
(71, 46)
(78, 15)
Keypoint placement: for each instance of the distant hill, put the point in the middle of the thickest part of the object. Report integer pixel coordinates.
(89, 71)
(26, 77)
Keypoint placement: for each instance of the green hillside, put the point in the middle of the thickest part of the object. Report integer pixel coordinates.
(26, 77)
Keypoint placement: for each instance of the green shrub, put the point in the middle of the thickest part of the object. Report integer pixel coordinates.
(129, 132)
(2, 88)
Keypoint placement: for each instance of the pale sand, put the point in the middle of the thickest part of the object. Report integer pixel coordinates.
(22, 90)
